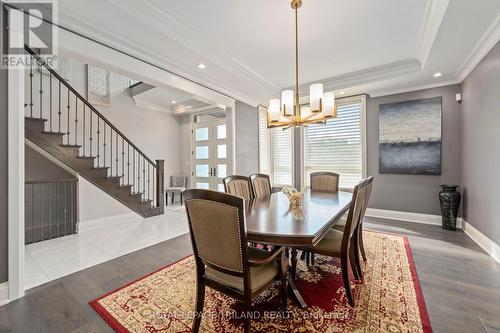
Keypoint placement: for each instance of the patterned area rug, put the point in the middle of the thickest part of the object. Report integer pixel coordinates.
(388, 300)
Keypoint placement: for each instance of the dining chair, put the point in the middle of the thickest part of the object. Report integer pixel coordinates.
(341, 224)
(342, 244)
(324, 181)
(261, 185)
(177, 185)
(321, 181)
(238, 185)
(224, 261)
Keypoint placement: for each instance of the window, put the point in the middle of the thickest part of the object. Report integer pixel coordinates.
(275, 152)
(337, 145)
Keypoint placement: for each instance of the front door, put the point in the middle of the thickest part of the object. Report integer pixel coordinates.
(210, 160)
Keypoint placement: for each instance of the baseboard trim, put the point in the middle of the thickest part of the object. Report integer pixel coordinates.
(108, 221)
(492, 248)
(4, 293)
(406, 216)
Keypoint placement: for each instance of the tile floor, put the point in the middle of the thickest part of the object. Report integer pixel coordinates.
(55, 258)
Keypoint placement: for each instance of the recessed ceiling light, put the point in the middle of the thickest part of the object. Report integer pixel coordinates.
(342, 92)
(201, 66)
(188, 107)
(173, 102)
(438, 74)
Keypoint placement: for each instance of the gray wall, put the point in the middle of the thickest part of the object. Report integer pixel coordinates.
(480, 145)
(416, 193)
(3, 169)
(39, 167)
(247, 139)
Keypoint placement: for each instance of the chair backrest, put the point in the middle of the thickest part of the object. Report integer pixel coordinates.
(353, 217)
(238, 185)
(178, 180)
(369, 186)
(217, 227)
(325, 181)
(261, 185)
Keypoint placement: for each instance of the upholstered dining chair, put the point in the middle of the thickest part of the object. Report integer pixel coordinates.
(261, 185)
(342, 244)
(324, 181)
(341, 225)
(321, 181)
(224, 261)
(238, 185)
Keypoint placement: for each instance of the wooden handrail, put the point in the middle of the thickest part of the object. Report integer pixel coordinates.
(69, 87)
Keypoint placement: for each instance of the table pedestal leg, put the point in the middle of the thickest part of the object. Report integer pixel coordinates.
(291, 279)
(294, 263)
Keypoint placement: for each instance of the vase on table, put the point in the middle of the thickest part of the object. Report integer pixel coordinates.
(449, 199)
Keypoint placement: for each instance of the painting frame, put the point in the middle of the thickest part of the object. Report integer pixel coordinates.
(410, 137)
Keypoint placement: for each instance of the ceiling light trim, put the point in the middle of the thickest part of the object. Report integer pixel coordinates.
(489, 39)
(433, 17)
(368, 75)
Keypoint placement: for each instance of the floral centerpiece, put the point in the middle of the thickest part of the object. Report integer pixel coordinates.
(294, 195)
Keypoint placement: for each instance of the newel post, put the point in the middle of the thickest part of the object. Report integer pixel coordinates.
(160, 184)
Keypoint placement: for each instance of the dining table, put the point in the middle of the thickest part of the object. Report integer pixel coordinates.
(272, 220)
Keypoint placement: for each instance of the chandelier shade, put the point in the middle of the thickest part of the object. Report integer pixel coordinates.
(289, 113)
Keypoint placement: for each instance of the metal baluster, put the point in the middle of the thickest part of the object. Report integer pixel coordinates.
(60, 112)
(128, 164)
(116, 160)
(133, 169)
(139, 172)
(104, 145)
(84, 120)
(154, 188)
(67, 128)
(76, 120)
(144, 176)
(31, 91)
(41, 89)
(111, 153)
(98, 141)
(50, 100)
(90, 139)
(123, 161)
(149, 187)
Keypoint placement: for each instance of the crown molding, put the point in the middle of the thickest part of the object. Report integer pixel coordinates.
(191, 39)
(433, 17)
(489, 39)
(368, 75)
(386, 92)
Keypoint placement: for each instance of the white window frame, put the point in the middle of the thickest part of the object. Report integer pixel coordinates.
(341, 102)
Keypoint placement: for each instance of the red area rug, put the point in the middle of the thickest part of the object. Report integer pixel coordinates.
(388, 300)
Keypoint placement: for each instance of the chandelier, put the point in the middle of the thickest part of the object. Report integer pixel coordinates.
(286, 113)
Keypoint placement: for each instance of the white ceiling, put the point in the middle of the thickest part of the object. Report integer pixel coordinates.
(357, 46)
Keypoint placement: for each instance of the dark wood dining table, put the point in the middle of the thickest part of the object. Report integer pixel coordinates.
(271, 220)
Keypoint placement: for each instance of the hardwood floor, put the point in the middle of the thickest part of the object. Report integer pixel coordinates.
(460, 282)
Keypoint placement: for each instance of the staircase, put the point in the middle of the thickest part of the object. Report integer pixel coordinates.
(63, 123)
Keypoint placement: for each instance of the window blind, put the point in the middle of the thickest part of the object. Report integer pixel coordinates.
(264, 143)
(335, 146)
(282, 156)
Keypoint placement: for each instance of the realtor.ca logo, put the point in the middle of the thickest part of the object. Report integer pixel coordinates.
(31, 24)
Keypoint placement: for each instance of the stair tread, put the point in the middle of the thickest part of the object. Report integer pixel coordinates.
(146, 201)
(53, 133)
(70, 146)
(100, 168)
(117, 177)
(86, 157)
(37, 119)
(126, 185)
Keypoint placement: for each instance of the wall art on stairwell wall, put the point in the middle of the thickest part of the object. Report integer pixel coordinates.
(98, 86)
(410, 137)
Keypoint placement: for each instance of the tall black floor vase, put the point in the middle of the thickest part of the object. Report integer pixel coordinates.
(449, 198)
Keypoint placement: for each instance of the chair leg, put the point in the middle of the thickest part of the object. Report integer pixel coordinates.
(200, 299)
(173, 196)
(284, 294)
(166, 198)
(360, 241)
(294, 263)
(345, 276)
(312, 258)
(356, 256)
(181, 199)
(246, 323)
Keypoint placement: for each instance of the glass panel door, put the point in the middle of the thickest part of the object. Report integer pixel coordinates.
(210, 155)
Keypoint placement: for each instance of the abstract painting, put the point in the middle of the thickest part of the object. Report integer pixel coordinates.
(98, 86)
(410, 137)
